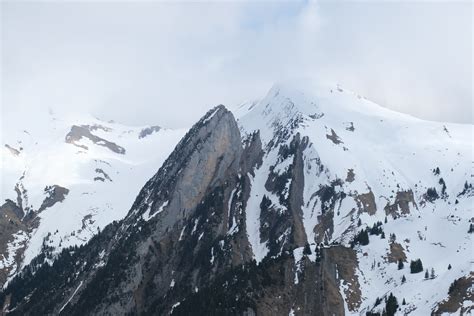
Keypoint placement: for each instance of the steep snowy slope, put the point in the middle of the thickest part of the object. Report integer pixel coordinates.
(69, 178)
(314, 201)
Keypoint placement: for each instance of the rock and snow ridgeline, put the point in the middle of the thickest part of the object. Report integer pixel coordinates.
(319, 183)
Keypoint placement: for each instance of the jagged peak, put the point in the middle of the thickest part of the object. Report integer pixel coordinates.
(203, 155)
(211, 119)
(216, 112)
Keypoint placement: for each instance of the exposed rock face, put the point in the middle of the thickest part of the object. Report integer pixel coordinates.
(282, 227)
(16, 223)
(85, 131)
(350, 175)
(13, 151)
(54, 194)
(366, 203)
(253, 154)
(209, 153)
(10, 224)
(401, 206)
(459, 291)
(396, 253)
(148, 131)
(103, 175)
(334, 138)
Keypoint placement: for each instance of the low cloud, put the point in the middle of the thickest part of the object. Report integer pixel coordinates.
(166, 63)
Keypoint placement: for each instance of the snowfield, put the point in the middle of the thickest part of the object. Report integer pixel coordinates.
(102, 183)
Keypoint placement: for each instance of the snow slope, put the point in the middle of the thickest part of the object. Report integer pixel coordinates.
(102, 183)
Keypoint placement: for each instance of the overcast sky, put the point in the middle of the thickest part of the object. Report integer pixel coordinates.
(167, 63)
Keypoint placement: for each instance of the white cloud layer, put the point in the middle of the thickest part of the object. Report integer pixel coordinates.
(166, 63)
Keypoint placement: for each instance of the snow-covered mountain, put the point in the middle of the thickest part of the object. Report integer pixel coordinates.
(65, 179)
(360, 161)
(311, 200)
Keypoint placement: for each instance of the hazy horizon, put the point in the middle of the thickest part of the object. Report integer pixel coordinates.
(167, 63)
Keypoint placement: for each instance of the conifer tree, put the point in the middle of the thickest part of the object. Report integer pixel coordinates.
(307, 249)
(416, 266)
(391, 305)
(393, 238)
(400, 264)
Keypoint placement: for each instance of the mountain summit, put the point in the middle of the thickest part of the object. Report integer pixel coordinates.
(311, 202)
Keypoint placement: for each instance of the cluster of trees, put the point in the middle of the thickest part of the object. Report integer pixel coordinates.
(428, 275)
(307, 249)
(431, 194)
(393, 238)
(443, 188)
(400, 264)
(376, 229)
(467, 187)
(416, 266)
(362, 238)
(234, 291)
(453, 286)
(391, 306)
(41, 284)
(318, 251)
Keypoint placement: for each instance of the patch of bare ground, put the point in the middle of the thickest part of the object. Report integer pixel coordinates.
(13, 151)
(334, 137)
(460, 290)
(350, 126)
(350, 175)
(84, 131)
(366, 203)
(54, 194)
(401, 205)
(396, 253)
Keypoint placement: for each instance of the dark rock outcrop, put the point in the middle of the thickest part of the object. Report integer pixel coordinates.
(148, 131)
(85, 131)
